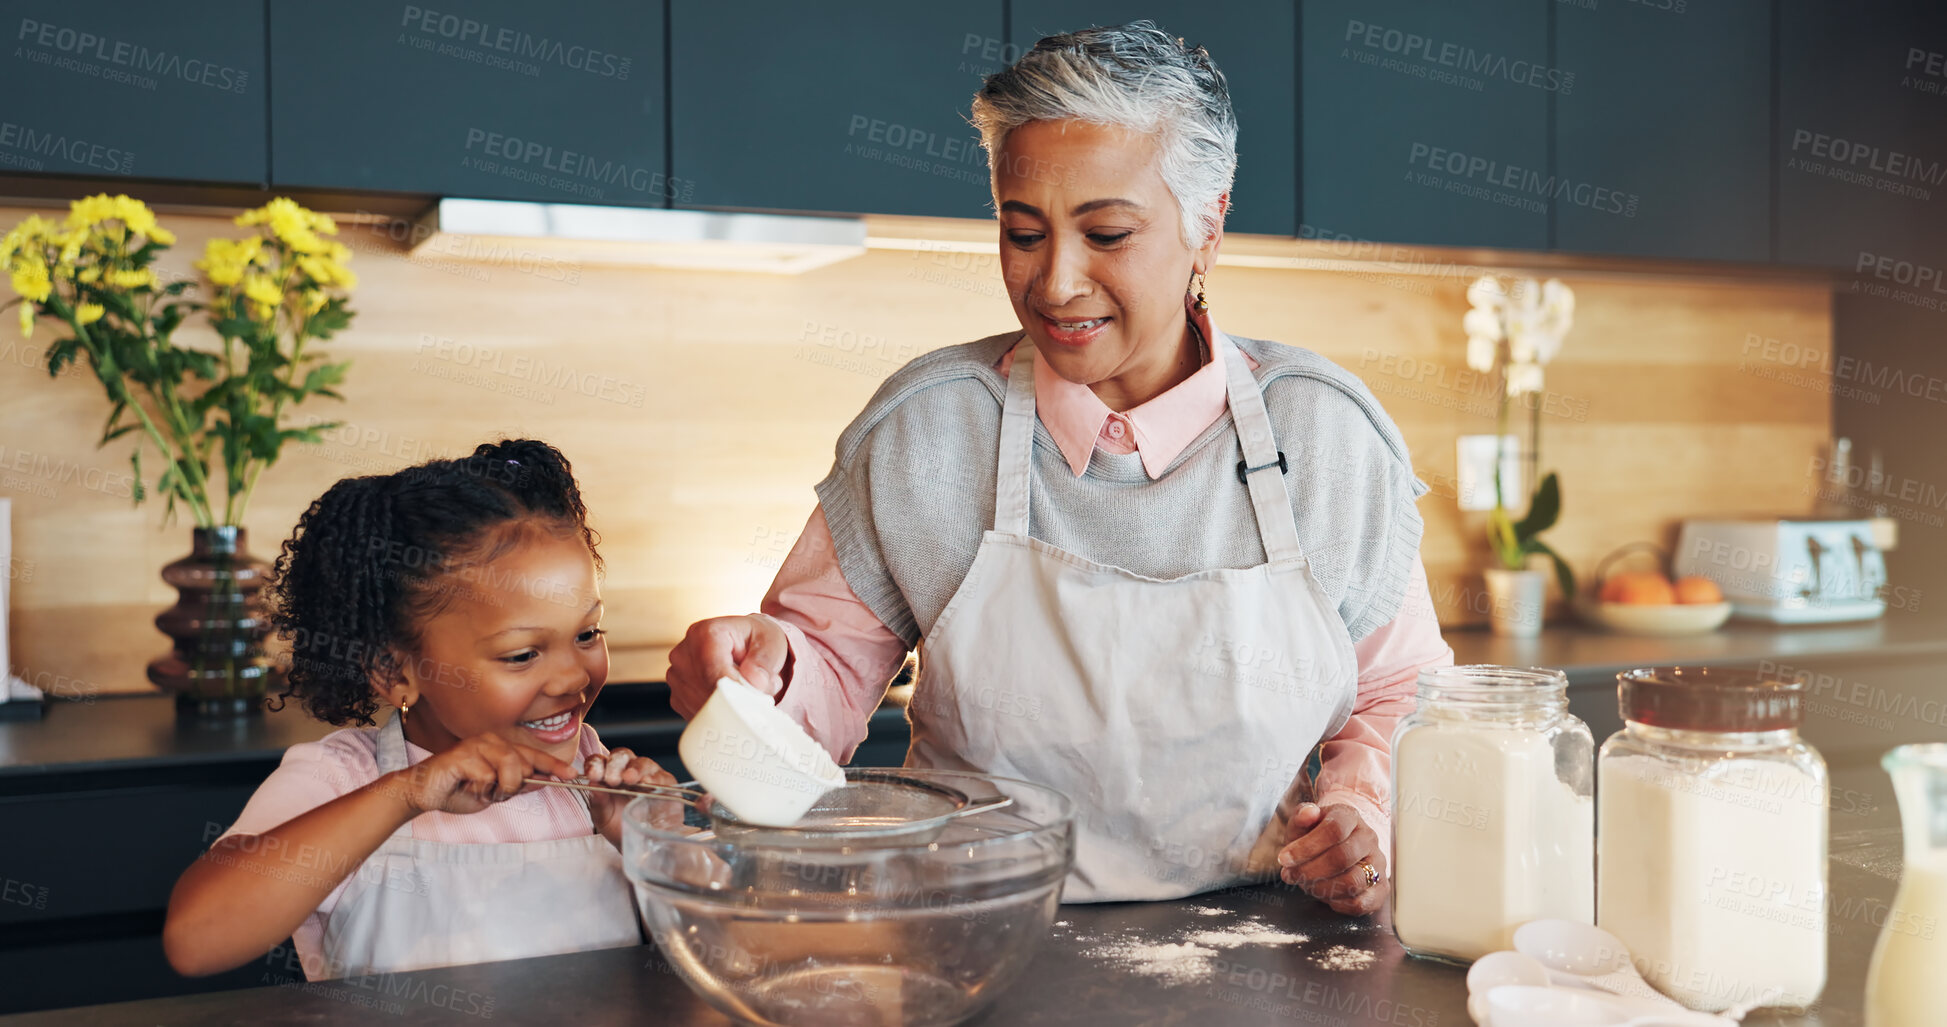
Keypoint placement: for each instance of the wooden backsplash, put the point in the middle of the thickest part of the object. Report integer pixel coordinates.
(699, 409)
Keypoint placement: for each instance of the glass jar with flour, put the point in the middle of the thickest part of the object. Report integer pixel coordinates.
(1713, 838)
(1493, 810)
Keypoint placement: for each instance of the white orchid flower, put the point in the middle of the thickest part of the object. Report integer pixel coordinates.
(1523, 378)
(1547, 344)
(1486, 293)
(1556, 296)
(1522, 346)
(1525, 294)
(1482, 323)
(1480, 353)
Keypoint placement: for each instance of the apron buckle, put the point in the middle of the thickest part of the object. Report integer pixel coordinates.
(1243, 470)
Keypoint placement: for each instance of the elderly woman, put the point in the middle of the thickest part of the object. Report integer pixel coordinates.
(1144, 562)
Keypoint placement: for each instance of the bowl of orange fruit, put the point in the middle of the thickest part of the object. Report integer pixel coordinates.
(1652, 601)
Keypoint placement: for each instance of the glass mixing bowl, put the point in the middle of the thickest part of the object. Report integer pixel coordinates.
(771, 930)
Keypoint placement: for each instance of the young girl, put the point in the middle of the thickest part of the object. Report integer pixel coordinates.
(461, 593)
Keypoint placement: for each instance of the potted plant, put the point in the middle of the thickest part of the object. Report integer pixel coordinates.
(196, 411)
(1516, 330)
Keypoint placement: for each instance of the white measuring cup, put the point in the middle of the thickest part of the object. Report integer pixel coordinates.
(753, 758)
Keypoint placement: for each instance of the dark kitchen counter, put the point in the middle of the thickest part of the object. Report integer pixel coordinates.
(1078, 978)
(79, 741)
(1593, 657)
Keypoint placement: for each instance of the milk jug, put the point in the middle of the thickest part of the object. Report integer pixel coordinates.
(1906, 985)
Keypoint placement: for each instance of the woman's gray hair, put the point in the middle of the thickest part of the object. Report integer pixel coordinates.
(1136, 76)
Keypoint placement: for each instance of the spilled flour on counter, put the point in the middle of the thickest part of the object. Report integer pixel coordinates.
(1209, 911)
(1343, 957)
(1189, 958)
(1252, 933)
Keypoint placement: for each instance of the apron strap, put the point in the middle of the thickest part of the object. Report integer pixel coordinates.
(1016, 461)
(1264, 465)
(1277, 524)
(392, 754)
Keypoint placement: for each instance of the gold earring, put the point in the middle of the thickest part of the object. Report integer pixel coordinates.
(1202, 304)
(403, 707)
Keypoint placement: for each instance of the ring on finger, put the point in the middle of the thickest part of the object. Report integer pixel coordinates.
(1372, 875)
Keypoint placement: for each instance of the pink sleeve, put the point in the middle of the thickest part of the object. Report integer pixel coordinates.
(1356, 764)
(842, 656)
(310, 775)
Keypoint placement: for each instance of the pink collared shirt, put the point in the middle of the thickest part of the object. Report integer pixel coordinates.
(842, 656)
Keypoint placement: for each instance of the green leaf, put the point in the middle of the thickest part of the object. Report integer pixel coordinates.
(135, 458)
(1543, 510)
(203, 364)
(61, 354)
(323, 376)
(176, 288)
(331, 318)
(236, 328)
(1563, 575)
(108, 432)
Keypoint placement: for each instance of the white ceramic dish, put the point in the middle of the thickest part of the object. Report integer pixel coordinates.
(1672, 619)
(753, 758)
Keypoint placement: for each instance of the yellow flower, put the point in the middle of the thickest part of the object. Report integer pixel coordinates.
(134, 215)
(263, 291)
(314, 301)
(132, 279)
(26, 320)
(326, 271)
(91, 210)
(30, 280)
(88, 313)
(225, 260)
(291, 224)
(88, 275)
(263, 311)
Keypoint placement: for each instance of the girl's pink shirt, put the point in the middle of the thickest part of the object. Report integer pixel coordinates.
(843, 656)
(314, 773)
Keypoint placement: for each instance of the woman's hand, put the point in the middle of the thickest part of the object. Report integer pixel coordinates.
(1326, 845)
(752, 648)
(622, 767)
(473, 775)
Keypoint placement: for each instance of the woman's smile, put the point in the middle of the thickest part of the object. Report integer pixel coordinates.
(1074, 331)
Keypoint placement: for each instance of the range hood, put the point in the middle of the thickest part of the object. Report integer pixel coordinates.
(500, 231)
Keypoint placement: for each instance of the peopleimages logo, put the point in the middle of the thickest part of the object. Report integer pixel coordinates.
(1414, 46)
(161, 63)
(1523, 182)
(517, 42)
(574, 171)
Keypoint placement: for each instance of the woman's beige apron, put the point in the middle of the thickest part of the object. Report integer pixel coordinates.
(1176, 713)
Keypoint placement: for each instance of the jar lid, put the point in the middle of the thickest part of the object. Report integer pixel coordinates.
(1710, 699)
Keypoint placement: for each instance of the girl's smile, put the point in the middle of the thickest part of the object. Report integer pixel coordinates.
(522, 657)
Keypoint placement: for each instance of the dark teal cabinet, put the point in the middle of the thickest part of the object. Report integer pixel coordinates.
(1253, 44)
(855, 106)
(142, 90)
(1662, 147)
(1426, 121)
(496, 99)
(1862, 138)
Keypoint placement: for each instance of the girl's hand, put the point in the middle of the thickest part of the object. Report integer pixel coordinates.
(1327, 855)
(622, 767)
(474, 774)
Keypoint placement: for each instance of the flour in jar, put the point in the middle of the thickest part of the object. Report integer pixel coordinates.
(1486, 837)
(1715, 879)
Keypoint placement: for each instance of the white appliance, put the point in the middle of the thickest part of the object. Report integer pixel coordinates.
(1788, 571)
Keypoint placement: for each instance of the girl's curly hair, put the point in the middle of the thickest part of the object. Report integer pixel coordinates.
(375, 556)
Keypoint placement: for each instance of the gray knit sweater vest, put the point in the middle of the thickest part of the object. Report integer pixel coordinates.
(912, 489)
